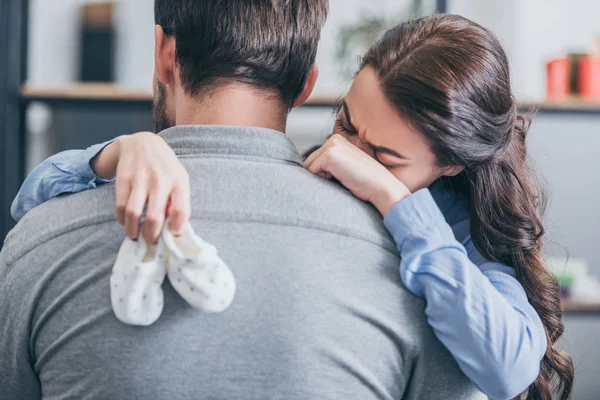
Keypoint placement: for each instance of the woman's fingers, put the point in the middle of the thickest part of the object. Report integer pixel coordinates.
(323, 163)
(179, 209)
(155, 213)
(317, 166)
(163, 197)
(148, 171)
(135, 206)
(123, 189)
(320, 160)
(313, 156)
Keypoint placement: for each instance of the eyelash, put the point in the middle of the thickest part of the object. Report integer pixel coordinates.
(384, 165)
(340, 126)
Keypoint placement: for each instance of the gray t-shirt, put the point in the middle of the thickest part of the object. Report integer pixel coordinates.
(320, 311)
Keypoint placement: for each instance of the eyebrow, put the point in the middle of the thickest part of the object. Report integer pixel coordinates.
(377, 149)
(387, 150)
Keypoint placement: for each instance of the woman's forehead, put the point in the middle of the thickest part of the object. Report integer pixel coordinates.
(379, 121)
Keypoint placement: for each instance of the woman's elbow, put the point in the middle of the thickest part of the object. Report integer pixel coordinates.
(514, 376)
(507, 383)
(17, 210)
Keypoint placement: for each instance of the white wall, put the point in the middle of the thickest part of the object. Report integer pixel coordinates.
(135, 43)
(342, 13)
(54, 48)
(53, 40)
(53, 57)
(535, 31)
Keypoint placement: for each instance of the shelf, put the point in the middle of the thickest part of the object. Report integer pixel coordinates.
(103, 92)
(580, 307)
(113, 93)
(84, 91)
(571, 105)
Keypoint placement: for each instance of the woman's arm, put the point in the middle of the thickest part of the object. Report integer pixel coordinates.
(66, 172)
(481, 314)
(147, 171)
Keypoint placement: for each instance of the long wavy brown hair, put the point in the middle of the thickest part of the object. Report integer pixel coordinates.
(450, 78)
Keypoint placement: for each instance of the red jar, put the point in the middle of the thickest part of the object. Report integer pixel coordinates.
(589, 77)
(558, 84)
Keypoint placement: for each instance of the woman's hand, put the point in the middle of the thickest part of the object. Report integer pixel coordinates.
(361, 174)
(147, 171)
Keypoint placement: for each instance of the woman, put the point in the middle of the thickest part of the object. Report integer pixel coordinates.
(429, 134)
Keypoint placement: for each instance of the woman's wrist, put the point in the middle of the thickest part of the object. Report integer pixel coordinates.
(104, 164)
(389, 196)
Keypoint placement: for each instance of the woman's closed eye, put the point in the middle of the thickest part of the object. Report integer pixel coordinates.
(339, 124)
(344, 121)
(386, 166)
(389, 161)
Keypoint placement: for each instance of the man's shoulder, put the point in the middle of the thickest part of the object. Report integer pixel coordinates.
(335, 207)
(58, 216)
(282, 194)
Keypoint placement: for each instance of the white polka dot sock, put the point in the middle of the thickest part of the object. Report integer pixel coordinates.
(197, 273)
(135, 284)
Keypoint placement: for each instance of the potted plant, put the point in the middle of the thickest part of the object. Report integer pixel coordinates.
(354, 40)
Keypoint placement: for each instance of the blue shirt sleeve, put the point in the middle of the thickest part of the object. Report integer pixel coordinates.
(479, 312)
(66, 172)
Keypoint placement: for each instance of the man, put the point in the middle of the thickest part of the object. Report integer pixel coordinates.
(320, 312)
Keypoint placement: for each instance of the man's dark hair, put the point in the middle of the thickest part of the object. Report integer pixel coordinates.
(269, 44)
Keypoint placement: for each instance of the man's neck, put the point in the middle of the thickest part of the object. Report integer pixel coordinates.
(235, 105)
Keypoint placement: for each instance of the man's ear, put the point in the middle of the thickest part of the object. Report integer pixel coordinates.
(310, 85)
(164, 56)
(452, 170)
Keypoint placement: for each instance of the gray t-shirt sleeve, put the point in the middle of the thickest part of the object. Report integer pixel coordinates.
(18, 379)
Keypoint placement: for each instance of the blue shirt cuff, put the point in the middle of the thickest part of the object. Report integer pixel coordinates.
(80, 166)
(418, 214)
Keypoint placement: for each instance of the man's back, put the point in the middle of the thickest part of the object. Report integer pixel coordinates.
(320, 311)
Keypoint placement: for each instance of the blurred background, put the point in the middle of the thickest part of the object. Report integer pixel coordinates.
(75, 72)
